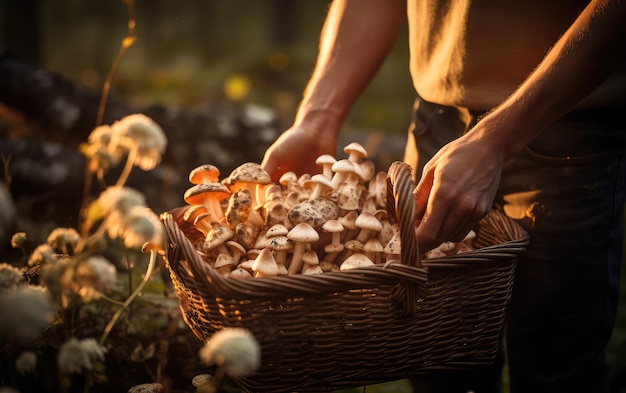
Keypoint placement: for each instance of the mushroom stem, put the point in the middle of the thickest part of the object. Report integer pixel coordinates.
(296, 260)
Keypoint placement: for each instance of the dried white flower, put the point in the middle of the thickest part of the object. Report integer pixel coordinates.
(10, 278)
(76, 356)
(25, 313)
(98, 150)
(63, 239)
(56, 277)
(141, 225)
(141, 134)
(18, 239)
(234, 349)
(113, 204)
(26, 363)
(41, 255)
(93, 276)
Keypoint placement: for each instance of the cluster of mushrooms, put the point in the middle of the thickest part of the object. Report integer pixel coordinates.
(245, 225)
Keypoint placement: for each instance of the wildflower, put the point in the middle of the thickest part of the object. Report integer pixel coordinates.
(140, 134)
(76, 356)
(63, 239)
(113, 204)
(141, 225)
(42, 255)
(233, 349)
(94, 276)
(97, 149)
(56, 277)
(25, 313)
(10, 278)
(26, 363)
(18, 239)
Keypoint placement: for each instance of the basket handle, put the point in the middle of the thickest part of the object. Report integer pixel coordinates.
(401, 205)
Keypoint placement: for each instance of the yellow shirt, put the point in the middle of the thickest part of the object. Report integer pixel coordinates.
(474, 53)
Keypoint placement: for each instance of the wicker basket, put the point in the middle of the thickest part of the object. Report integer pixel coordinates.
(366, 326)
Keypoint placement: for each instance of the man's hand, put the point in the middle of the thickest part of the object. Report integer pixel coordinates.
(457, 189)
(297, 149)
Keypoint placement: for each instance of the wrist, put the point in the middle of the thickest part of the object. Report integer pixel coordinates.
(327, 119)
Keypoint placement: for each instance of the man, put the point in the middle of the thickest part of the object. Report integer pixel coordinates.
(518, 106)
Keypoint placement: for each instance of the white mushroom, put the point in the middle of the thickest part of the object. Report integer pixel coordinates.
(302, 234)
(265, 265)
(355, 261)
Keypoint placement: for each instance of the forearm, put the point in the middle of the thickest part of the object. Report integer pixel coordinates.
(355, 40)
(578, 63)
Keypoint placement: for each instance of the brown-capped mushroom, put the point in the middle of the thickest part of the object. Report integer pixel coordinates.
(393, 248)
(373, 249)
(341, 169)
(314, 212)
(224, 264)
(216, 239)
(311, 263)
(252, 177)
(210, 195)
(205, 173)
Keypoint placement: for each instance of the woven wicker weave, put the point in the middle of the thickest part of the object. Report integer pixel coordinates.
(371, 325)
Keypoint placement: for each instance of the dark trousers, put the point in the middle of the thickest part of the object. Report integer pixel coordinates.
(567, 190)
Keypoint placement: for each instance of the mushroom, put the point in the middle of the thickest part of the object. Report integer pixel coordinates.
(373, 249)
(246, 235)
(377, 189)
(349, 194)
(240, 210)
(216, 239)
(314, 212)
(236, 250)
(240, 273)
(393, 248)
(252, 177)
(348, 221)
(202, 222)
(224, 264)
(311, 263)
(205, 173)
(210, 195)
(447, 248)
(335, 246)
(342, 169)
(281, 244)
(265, 265)
(321, 184)
(355, 261)
(326, 161)
(355, 152)
(302, 234)
(368, 224)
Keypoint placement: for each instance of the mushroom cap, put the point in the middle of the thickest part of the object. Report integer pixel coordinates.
(344, 165)
(325, 159)
(280, 243)
(240, 273)
(368, 221)
(194, 211)
(373, 245)
(217, 236)
(249, 172)
(265, 263)
(330, 247)
(197, 194)
(205, 173)
(355, 261)
(288, 177)
(314, 212)
(321, 179)
(354, 245)
(235, 247)
(393, 246)
(224, 260)
(303, 232)
(349, 219)
(310, 257)
(356, 148)
(332, 226)
(277, 230)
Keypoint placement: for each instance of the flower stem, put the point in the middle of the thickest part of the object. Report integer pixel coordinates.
(130, 161)
(118, 313)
